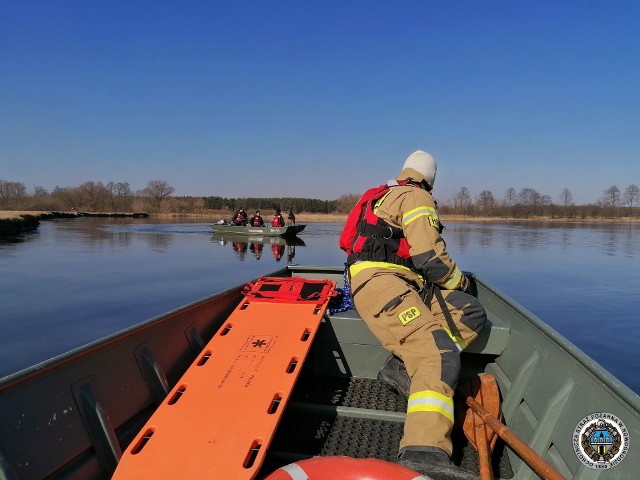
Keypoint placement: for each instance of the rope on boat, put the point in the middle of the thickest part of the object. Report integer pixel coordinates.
(343, 300)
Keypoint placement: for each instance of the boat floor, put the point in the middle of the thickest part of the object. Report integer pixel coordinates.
(355, 417)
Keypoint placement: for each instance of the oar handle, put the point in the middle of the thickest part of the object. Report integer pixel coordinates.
(532, 459)
(484, 455)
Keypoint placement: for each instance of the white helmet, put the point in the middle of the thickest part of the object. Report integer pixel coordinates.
(424, 164)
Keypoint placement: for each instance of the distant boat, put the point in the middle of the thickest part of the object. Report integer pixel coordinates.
(288, 231)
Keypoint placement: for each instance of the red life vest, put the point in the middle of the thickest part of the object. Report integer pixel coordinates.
(239, 218)
(277, 221)
(367, 237)
(257, 221)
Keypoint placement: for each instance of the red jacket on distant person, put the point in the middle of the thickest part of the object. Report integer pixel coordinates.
(240, 217)
(278, 220)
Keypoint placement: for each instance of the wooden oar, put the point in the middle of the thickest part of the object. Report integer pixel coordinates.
(530, 457)
(484, 389)
(484, 452)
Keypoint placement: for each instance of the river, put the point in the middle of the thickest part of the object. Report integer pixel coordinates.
(74, 281)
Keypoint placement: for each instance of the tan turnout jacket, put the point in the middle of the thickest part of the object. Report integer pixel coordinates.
(414, 211)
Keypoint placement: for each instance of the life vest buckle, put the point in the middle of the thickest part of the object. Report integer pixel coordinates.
(384, 236)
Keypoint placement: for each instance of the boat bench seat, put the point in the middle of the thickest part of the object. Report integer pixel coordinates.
(349, 328)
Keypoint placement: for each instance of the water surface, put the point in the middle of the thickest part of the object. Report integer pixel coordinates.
(77, 280)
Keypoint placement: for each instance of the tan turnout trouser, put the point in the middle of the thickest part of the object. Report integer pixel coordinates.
(423, 338)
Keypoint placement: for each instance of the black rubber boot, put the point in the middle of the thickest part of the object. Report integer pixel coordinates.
(395, 377)
(435, 464)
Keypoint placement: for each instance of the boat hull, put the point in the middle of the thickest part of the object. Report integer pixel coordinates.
(288, 231)
(74, 415)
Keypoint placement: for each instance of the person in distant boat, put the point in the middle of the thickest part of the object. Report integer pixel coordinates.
(239, 218)
(413, 298)
(291, 217)
(256, 220)
(278, 219)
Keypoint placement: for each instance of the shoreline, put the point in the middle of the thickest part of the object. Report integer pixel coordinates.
(13, 223)
(446, 218)
(20, 221)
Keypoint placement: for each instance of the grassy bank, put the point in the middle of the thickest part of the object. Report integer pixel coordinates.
(13, 215)
(15, 223)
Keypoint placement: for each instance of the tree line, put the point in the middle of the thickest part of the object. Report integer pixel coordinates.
(87, 197)
(157, 196)
(528, 202)
(309, 205)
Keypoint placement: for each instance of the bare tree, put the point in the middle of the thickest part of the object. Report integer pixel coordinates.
(486, 202)
(610, 199)
(462, 200)
(40, 192)
(630, 196)
(124, 194)
(120, 196)
(566, 197)
(158, 190)
(510, 197)
(346, 202)
(111, 188)
(69, 197)
(12, 193)
(611, 196)
(94, 196)
(530, 199)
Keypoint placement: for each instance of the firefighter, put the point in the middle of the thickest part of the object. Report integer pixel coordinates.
(256, 220)
(413, 298)
(240, 217)
(278, 219)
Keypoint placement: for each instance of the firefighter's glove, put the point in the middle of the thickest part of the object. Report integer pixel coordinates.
(464, 283)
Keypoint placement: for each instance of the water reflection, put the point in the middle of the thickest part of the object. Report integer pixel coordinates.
(279, 247)
(612, 239)
(17, 238)
(95, 232)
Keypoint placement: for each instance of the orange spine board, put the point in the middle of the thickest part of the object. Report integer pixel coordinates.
(218, 420)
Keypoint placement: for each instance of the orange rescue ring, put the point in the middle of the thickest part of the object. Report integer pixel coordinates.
(344, 468)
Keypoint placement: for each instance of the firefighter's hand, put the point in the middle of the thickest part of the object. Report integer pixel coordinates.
(464, 283)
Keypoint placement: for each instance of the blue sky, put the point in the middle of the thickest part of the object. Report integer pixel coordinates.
(321, 98)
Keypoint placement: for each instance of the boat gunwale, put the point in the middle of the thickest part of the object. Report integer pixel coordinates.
(615, 386)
